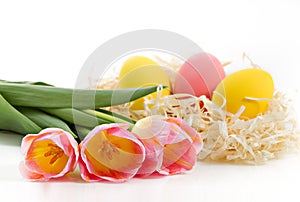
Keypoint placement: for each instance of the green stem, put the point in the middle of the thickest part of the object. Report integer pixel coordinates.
(114, 114)
(108, 117)
(45, 120)
(76, 117)
(82, 132)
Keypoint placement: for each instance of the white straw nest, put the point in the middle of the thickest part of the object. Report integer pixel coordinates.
(227, 137)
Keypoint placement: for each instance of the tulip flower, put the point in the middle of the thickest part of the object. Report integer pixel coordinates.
(52, 153)
(171, 145)
(110, 152)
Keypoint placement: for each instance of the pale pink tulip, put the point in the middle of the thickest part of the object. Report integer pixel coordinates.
(171, 145)
(110, 152)
(50, 154)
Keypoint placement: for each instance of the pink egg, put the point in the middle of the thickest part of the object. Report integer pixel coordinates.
(199, 75)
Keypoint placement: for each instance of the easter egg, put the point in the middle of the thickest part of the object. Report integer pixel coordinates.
(199, 75)
(141, 76)
(251, 88)
(135, 62)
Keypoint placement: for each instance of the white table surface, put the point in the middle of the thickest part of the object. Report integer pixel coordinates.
(50, 40)
(278, 180)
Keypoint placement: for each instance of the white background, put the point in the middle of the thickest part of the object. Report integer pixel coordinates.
(50, 40)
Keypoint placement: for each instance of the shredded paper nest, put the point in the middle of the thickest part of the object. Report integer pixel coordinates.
(226, 137)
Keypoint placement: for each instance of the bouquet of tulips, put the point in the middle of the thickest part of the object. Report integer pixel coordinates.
(62, 129)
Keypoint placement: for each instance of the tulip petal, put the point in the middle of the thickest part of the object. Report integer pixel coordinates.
(181, 149)
(27, 141)
(152, 127)
(193, 134)
(153, 160)
(85, 173)
(153, 132)
(26, 173)
(185, 163)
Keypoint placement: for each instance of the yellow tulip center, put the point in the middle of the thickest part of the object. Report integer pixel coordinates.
(55, 152)
(48, 156)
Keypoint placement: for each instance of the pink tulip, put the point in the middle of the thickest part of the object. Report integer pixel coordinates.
(50, 154)
(171, 145)
(110, 152)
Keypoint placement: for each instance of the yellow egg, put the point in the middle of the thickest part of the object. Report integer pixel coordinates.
(140, 74)
(252, 88)
(135, 62)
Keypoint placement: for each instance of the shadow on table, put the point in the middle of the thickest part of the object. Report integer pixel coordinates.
(10, 138)
(75, 177)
